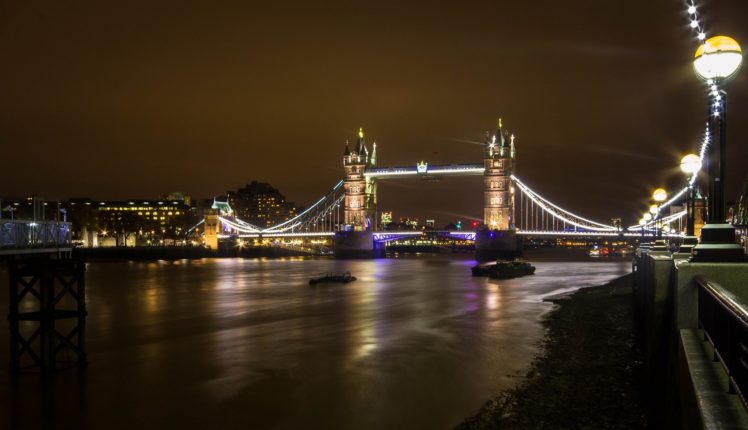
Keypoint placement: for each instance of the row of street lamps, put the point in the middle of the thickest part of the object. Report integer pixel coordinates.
(716, 60)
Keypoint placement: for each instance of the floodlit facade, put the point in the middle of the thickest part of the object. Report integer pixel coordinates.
(498, 212)
(360, 191)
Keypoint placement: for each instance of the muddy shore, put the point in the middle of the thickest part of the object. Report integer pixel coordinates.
(588, 374)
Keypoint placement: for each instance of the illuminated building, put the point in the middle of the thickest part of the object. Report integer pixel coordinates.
(260, 204)
(145, 222)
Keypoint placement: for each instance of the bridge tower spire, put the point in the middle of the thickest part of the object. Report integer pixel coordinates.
(498, 207)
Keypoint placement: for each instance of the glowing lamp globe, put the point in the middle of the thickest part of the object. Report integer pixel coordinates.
(642, 221)
(659, 195)
(653, 209)
(647, 217)
(690, 164)
(719, 57)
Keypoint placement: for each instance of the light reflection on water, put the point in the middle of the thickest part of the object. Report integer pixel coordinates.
(232, 343)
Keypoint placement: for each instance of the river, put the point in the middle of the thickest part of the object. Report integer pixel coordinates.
(414, 343)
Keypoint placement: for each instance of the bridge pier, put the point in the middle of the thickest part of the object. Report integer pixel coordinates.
(47, 313)
(493, 244)
(353, 244)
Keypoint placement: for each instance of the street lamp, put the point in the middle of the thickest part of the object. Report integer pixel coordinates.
(659, 195)
(719, 57)
(715, 61)
(690, 165)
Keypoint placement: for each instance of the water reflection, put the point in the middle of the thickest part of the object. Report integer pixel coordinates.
(414, 343)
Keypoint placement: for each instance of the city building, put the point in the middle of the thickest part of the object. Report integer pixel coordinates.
(260, 204)
(143, 222)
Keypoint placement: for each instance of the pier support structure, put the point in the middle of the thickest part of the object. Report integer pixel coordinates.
(51, 335)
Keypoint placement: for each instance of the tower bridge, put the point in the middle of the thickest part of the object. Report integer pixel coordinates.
(345, 214)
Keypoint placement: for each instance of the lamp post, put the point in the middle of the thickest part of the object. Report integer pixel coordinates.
(715, 61)
(654, 210)
(690, 165)
(659, 195)
(647, 217)
(645, 244)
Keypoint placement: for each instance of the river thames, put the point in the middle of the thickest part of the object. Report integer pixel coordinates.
(238, 343)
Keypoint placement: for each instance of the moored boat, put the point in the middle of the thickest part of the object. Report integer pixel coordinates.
(343, 278)
(511, 269)
(504, 269)
(483, 269)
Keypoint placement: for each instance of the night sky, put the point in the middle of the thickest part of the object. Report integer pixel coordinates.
(139, 99)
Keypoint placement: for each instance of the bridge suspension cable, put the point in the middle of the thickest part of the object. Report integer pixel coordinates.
(323, 215)
(537, 212)
(651, 225)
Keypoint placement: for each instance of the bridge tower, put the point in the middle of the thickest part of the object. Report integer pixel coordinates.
(354, 237)
(354, 204)
(498, 206)
(211, 228)
(498, 238)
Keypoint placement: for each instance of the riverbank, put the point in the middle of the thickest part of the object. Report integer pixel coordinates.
(588, 374)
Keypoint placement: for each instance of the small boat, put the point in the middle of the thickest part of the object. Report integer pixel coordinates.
(511, 269)
(343, 278)
(483, 269)
(504, 269)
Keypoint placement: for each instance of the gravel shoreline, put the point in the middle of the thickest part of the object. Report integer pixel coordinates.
(588, 374)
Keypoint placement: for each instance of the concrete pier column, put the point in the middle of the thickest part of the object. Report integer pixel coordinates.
(493, 244)
(353, 244)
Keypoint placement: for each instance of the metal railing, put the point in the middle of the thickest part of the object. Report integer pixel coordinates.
(724, 318)
(22, 234)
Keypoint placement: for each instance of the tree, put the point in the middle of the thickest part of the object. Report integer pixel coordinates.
(122, 225)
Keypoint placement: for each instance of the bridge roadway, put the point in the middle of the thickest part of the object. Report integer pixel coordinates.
(389, 235)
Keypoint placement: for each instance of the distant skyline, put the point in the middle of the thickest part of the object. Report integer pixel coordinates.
(141, 99)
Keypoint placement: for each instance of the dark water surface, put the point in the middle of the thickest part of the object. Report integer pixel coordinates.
(415, 343)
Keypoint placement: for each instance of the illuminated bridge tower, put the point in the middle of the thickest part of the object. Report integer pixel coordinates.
(354, 238)
(355, 162)
(498, 238)
(498, 207)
